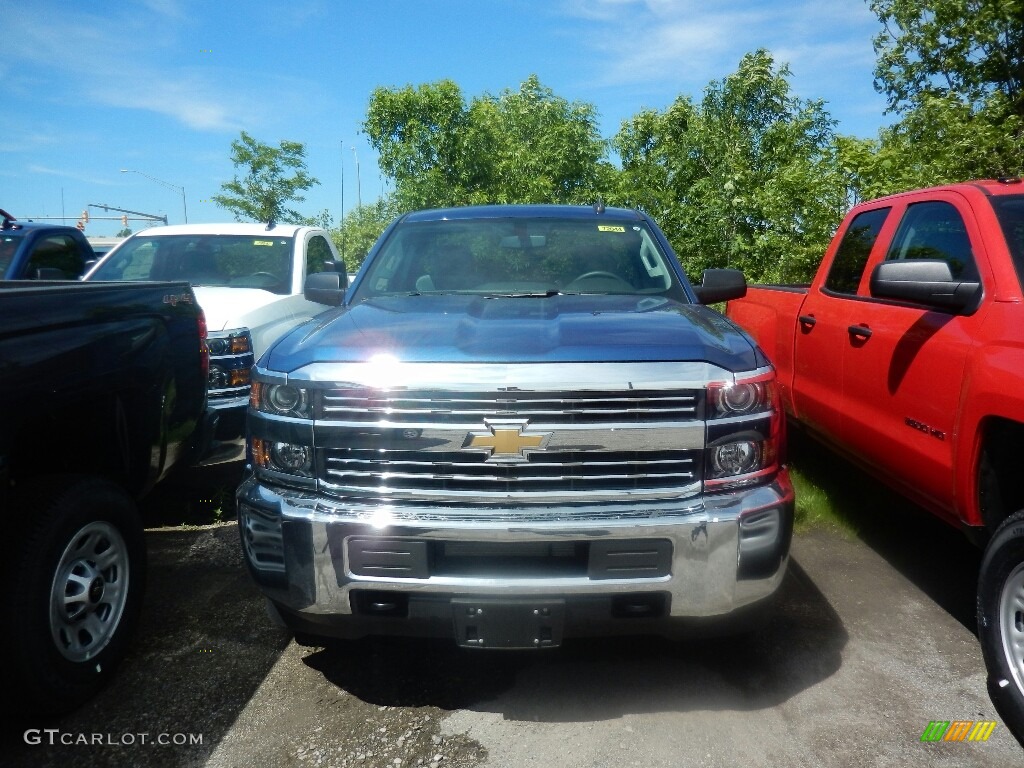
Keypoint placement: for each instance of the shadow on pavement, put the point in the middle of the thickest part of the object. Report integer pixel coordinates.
(933, 555)
(588, 680)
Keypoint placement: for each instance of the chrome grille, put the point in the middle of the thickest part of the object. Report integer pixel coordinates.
(469, 408)
(586, 472)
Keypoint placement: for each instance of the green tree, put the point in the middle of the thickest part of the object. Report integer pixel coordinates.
(274, 177)
(970, 49)
(520, 146)
(360, 229)
(748, 178)
(953, 71)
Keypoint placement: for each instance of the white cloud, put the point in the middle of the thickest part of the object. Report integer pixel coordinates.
(71, 175)
(114, 62)
(691, 41)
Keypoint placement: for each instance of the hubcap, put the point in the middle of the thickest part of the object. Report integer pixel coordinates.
(89, 591)
(1011, 623)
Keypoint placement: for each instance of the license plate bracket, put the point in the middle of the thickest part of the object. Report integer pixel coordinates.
(491, 623)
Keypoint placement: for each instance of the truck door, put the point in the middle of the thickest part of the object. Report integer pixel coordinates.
(820, 334)
(903, 365)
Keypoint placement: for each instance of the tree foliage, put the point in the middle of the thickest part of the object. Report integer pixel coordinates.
(274, 177)
(520, 146)
(748, 178)
(953, 70)
(361, 228)
(970, 49)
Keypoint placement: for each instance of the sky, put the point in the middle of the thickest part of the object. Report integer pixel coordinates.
(133, 104)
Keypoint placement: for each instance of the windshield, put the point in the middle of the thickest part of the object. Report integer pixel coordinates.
(238, 261)
(520, 257)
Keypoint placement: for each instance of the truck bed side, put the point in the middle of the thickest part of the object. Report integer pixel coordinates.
(769, 313)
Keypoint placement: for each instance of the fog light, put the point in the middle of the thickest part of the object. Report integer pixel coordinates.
(288, 457)
(735, 458)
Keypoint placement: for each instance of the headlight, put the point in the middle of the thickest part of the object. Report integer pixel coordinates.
(744, 432)
(281, 399)
(741, 397)
(235, 343)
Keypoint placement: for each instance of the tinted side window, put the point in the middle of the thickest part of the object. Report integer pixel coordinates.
(854, 250)
(56, 252)
(935, 230)
(1010, 211)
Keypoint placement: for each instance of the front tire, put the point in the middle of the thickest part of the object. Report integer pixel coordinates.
(75, 588)
(1001, 620)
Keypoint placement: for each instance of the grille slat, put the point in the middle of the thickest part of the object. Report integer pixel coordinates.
(417, 407)
(563, 471)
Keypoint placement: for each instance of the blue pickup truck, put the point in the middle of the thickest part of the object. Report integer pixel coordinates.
(518, 425)
(38, 251)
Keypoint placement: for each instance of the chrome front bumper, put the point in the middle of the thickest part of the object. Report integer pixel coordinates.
(707, 556)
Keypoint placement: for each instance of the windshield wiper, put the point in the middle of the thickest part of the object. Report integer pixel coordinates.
(524, 294)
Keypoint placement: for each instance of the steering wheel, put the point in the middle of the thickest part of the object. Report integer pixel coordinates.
(600, 275)
(257, 280)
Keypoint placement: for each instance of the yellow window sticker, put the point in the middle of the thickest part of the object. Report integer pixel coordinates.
(609, 228)
(263, 242)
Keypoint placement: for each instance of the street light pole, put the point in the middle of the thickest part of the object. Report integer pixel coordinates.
(167, 184)
(359, 189)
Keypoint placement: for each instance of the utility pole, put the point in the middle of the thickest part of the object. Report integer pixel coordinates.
(359, 186)
(342, 145)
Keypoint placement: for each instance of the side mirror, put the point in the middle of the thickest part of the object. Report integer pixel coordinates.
(326, 288)
(720, 285)
(924, 281)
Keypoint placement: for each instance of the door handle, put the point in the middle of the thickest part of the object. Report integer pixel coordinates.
(807, 321)
(860, 331)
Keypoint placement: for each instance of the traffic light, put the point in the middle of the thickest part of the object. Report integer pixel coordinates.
(85, 216)
(124, 220)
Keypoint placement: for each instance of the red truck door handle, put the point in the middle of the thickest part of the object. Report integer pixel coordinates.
(807, 321)
(860, 331)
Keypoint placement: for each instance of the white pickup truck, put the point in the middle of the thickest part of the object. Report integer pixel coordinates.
(248, 279)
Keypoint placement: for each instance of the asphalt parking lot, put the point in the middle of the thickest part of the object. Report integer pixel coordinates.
(872, 640)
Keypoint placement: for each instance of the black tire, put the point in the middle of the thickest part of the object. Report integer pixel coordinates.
(75, 586)
(1001, 621)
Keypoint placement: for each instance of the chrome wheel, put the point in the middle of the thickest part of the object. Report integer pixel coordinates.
(89, 591)
(1011, 623)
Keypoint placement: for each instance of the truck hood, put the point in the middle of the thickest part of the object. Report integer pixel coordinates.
(227, 308)
(518, 330)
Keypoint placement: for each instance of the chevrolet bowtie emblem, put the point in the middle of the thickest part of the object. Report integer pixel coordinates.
(506, 441)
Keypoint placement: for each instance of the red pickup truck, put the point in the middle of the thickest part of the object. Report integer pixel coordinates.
(906, 355)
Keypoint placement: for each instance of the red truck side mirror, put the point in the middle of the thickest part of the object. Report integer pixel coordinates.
(924, 281)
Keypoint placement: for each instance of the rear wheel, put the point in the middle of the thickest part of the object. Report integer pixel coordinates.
(74, 591)
(1001, 620)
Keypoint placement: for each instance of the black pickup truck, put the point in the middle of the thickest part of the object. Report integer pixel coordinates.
(36, 251)
(102, 392)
